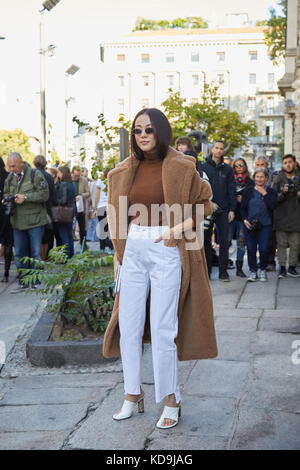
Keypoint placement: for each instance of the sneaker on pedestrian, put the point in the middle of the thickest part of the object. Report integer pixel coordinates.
(224, 276)
(293, 272)
(252, 276)
(282, 272)
(262, 275)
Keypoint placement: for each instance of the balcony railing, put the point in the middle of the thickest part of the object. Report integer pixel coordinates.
(266, 139)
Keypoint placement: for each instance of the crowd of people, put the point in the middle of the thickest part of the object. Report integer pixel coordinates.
(262, 212)
(40, 208)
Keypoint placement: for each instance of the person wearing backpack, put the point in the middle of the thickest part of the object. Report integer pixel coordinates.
(25, 195)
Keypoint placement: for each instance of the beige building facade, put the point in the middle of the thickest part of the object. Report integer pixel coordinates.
(289, 85)
(142, 68)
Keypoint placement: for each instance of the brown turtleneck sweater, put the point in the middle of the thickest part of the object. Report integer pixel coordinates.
(147, 189)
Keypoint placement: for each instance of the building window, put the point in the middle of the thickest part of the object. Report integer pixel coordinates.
(145, 58)
(194, 101)
(146, 80)
(253, 55)
(121, 79)
(195, 79)
(121, 57)
(221, 78)
(269, 130)
(170, 58)
(252, 78)
(220, 56)
(251, 102)
(271, 80)
(270, 105)
(145, 103)
(121, 106)
(195, 57)
(170, 79)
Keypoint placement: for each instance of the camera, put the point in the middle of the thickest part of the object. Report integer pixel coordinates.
(210, 220)
(240, 181)
(9, 200)
(214, 215)
(255, 225)
(292, 183)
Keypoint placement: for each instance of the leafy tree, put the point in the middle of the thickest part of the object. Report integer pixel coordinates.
(15, 141)
(209, 116)
(190, 22)
(178, 23)
(196, 22)
(109, 138)
(275, 34)
(54, 155)
(261, 23)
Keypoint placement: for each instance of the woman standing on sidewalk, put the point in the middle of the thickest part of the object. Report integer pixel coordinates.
(66, 198)
(257, 207)
(156, 258)
(242, 181)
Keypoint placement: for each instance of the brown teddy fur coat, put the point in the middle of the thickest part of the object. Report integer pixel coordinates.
(181, 184)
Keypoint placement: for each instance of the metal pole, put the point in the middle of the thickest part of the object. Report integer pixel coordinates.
(66, 118)
(42, 86)
(124, 143)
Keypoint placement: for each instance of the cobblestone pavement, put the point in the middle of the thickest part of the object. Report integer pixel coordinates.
(246, 398)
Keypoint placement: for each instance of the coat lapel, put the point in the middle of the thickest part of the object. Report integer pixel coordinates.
(175, 188)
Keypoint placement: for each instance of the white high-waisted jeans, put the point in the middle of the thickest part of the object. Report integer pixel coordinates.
(148, 265)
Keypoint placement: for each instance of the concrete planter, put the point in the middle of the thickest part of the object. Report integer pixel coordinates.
(44, 353)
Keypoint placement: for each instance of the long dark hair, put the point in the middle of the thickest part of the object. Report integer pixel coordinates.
(65, 170)
(247, 174)
(163, 133)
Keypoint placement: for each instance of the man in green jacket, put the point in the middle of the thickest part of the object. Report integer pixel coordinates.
(29, 216)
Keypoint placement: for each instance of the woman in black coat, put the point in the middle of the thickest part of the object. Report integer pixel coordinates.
(66, 197)
(257, 207)
(6, 231)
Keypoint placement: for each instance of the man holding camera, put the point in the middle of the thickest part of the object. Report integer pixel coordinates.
(221, 179)
(287, 215)
(25, 194)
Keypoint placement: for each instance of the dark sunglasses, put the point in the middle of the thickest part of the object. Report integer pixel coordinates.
(148, 130)
(239, 164)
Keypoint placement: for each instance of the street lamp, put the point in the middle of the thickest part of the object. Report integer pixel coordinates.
(70, 71)
(48, 5)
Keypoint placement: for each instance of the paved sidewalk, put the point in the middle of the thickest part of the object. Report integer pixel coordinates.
(246, 398)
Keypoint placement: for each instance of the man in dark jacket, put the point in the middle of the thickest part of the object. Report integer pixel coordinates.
(287, 215)
(221, 179)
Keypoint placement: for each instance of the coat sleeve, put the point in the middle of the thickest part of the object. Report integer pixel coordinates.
(277, 185)
(86, 190)
(271, 199)
(201, 193)
(232, 191)
(244, 203)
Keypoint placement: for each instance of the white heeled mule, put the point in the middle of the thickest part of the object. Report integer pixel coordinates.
(128, 408)
(170, 412)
